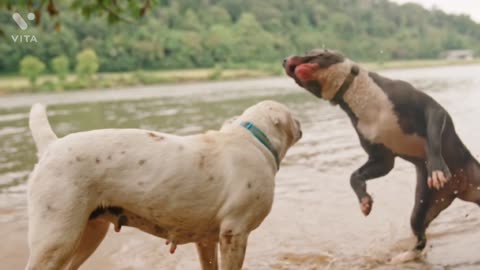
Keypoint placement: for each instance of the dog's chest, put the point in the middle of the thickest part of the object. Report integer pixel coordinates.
(378, 123)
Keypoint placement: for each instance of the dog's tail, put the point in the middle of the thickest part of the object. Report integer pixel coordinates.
(40, 127)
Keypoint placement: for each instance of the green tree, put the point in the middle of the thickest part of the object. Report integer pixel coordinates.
(60, 65)
(31, 67)
(87, 63)
(190, 21)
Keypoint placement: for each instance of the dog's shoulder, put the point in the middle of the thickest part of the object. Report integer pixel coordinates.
(409, 103)
(400, 92)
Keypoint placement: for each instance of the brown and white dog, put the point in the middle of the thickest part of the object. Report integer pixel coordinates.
(393, 119)
(206, 188)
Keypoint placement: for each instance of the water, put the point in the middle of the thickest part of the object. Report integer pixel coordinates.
(315, 222)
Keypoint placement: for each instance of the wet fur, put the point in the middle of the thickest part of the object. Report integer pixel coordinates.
(206, 188)
(393, 119)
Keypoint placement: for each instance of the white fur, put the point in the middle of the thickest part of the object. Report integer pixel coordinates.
(205, 188)
(377, 120)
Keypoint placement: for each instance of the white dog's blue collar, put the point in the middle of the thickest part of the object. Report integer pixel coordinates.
(258, 133)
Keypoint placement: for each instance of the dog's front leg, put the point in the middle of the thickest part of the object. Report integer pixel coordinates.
(207, 253)
(233, 245)
(376, 166)
(438, 171)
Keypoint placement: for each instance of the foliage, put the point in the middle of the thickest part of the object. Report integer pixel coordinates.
(60, 66)
(31, 67)
(202, 34)
(87, 64)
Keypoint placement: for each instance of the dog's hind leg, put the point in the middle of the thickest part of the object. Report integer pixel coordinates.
(57, 220)
(93, 235)
(52, 240)
(428, 205)
(207, 253)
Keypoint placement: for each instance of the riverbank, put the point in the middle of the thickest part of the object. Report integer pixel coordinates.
(49, 83)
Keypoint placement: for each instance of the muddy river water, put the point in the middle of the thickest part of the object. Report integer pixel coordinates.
(315, 222)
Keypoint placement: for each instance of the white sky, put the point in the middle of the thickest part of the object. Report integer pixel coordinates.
(469, 7)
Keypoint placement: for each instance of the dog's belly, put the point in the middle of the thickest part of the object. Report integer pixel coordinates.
(387, 131)
(177, 234)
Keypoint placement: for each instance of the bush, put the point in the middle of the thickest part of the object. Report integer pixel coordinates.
(75, 85)
(60, 65)
(87, 64)
(216, 73)
(31, 67)
(48, 86)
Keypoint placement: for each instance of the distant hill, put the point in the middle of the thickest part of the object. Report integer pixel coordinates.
(202, 33)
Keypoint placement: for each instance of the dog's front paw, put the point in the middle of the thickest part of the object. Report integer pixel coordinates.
(438, 176)
(366, 204)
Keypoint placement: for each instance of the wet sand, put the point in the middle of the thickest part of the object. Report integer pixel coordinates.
(315, 222)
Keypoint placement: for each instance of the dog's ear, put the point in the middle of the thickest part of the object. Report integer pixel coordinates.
(276, 121)
(275, 118)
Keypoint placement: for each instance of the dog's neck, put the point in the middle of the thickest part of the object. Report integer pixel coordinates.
(235, 127)
(365, 99)
(262, 138)
(347, 83)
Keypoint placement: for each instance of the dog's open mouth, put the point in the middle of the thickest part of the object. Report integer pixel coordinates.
(299, 68)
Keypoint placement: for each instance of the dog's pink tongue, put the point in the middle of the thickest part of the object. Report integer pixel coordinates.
(305, 71)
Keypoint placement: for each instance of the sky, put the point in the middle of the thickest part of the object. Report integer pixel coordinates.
(469, 7)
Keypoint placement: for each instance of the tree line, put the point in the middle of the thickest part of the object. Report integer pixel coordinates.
(178, 34)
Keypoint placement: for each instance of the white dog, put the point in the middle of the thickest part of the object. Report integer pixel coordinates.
(205, 188)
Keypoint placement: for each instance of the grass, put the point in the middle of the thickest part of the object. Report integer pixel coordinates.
(49, 83)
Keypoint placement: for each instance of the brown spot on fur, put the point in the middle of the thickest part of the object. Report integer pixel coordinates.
(201, 164)
(97, 160)
(180, 147)
(141, 162)
(109, 157)
(211, 178)
(78, 159)
(249, 185)
(151, 134)
(140, 183)
(258, 197)
(123, 152)
(155, 136)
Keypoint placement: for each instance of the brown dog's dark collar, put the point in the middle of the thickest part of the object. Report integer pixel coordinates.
(345, 85)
